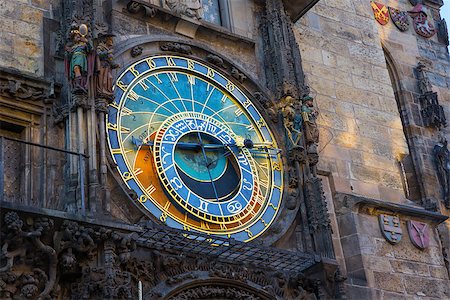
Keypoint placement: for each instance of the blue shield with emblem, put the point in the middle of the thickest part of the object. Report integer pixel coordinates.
(390, 228)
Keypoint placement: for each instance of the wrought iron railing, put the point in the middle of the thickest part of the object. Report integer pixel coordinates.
(41, 176)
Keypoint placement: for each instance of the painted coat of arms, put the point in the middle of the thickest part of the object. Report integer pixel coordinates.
(400, 18)
(419, 234)
(380, 12)
(421, 24)
(390, 228)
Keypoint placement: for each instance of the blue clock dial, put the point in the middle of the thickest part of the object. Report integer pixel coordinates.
(176, 131)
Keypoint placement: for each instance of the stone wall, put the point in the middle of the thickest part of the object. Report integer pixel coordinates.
(377, 269)
(21, 37)
(361, 132)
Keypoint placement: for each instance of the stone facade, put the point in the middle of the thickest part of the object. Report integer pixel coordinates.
(71, 228)
(376, 142)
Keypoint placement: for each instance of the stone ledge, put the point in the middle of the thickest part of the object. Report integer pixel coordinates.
(195, 23)
(348, 202)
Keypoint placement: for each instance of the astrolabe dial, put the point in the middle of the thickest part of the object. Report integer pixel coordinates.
(194, 148)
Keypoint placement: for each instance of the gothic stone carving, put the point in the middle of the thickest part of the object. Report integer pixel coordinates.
(442, 163)
(189, 8)
(215, 292)
(136, 51)
(215, 60)
(238, 75)
(135, 7)
(19, 87)
(44, 258)
(442, 32)
(309, 115)
(176, 47)
(432, 113)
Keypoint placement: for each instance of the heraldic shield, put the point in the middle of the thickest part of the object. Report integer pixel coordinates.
(380, 12)
(390, 228)
(400, 18)
(419, 234)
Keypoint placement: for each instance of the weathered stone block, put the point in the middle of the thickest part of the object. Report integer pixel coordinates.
(376, 263)
(362, 52)
(32, 31)
(31, 15)
(408, 267)
(429, 287)
(389, 282)
(439, 272)
(27, 47)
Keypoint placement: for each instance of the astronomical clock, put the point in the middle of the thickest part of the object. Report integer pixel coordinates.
(195, 149)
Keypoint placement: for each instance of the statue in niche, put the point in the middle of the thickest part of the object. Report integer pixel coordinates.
(309, 115)
(79, 62)
(104, 66)
(190, 8)
(442, 162)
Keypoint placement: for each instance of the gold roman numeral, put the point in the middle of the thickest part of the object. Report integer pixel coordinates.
(143, 85)
(151, 63)
(122, 85)
(170, 61)
(134, 71)
(132, 95)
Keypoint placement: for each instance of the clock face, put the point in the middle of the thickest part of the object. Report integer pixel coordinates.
(194, 148)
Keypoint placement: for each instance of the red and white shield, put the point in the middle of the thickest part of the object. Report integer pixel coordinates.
(419, 234)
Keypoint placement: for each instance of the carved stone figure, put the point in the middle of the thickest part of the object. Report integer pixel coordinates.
(104, 66)
(442, 32)
(79, 64)
(424, 82)
(189, 8)
(310, 114)
(136, 51)
(292, 119)
(176, 47)
(442, 162)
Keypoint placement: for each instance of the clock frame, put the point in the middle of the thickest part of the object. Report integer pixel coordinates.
(164, 102)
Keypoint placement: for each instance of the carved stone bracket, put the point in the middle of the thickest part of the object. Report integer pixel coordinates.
(432, 113)
(22, 87)
(134, 7)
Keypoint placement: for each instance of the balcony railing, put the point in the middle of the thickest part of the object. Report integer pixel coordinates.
(42, 176)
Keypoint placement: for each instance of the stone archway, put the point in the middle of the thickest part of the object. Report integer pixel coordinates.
(217, 289)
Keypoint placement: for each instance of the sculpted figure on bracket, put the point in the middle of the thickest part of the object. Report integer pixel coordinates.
(79, 62)
(292, 119)
(309, 115)
(442, 162)
(105, 65)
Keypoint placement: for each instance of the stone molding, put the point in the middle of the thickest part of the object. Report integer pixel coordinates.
(373, 206)
(14, 84)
